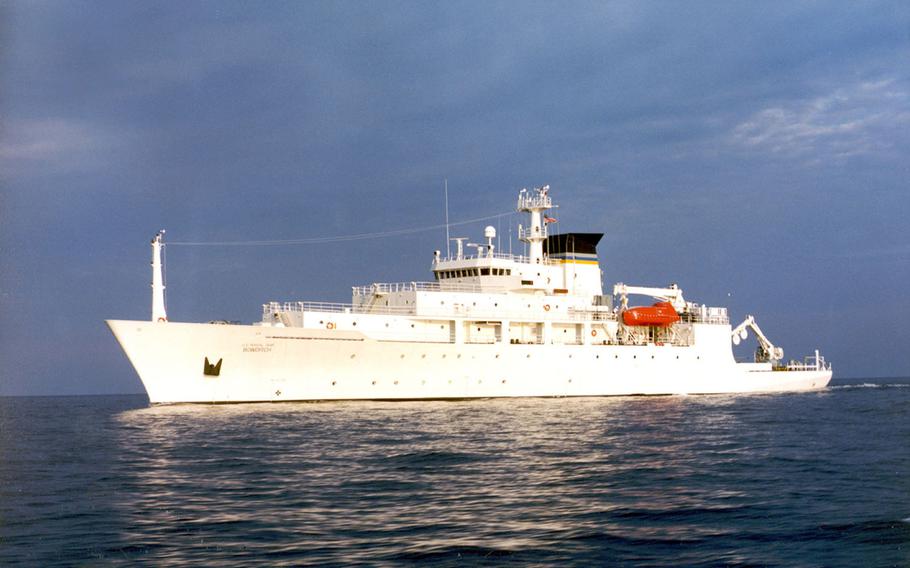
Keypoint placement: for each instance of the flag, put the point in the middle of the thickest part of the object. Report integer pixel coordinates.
(549, 220)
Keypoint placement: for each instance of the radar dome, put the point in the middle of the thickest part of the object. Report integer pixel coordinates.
(489, 232)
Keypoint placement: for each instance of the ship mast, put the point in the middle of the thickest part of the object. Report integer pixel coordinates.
(159, 313)
(534, 203)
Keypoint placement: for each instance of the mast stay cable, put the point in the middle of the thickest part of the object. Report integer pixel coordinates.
(338, 238)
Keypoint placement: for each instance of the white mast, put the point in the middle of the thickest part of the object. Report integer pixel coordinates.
(534, 204)
(448, 248)
(158, 311)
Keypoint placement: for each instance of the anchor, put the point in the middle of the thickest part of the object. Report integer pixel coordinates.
(211, 370)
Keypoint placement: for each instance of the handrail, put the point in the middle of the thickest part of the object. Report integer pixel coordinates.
(810, 363)
(391, 287)
(457, 311)
(496, 256)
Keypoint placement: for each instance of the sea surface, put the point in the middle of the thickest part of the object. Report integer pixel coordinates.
(819, 479)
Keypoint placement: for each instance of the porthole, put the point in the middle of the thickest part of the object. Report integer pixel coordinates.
(333, 383)
(402, 355)
(503, 381)
(353, 355)
(374, 382)
(396, 382)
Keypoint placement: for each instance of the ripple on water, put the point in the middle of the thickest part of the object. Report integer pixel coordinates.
(700, 481)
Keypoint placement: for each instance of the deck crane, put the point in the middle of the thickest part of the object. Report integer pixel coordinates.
(673, 294)
(766, 350)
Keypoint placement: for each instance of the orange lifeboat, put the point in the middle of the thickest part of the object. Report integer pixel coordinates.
(660, 314)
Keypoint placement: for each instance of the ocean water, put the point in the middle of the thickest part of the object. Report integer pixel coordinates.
(819, 479)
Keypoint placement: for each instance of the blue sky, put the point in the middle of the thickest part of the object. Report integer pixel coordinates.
(755, 153)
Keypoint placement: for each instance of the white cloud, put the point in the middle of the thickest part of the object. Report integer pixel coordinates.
(863, 118)
(53, 145)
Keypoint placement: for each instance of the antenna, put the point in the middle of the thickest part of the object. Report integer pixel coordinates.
(460, 246)
(448, 246)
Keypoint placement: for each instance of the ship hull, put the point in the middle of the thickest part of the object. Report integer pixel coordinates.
(205, 363)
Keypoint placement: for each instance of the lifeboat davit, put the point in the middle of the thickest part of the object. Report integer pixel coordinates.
(660, 314)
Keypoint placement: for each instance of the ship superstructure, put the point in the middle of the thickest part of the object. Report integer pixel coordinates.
(488, 325)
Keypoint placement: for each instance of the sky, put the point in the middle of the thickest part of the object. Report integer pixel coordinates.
(755, 153)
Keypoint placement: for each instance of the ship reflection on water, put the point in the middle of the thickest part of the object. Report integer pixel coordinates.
(809, 479)
(505, 479)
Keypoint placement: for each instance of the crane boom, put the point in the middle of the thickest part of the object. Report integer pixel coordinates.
(672, 294)
(766, 350)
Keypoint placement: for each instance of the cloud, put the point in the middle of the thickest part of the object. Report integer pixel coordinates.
(54, 146)
(864, 118)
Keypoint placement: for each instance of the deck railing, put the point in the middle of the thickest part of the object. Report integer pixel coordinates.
(498, 256)
(456, 310)
(392, 287)
(810, 363)
(589, 314)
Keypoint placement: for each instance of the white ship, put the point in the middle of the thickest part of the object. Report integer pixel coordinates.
(488, 325)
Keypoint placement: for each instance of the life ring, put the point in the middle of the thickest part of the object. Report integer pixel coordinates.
(546, 307)
(593, 333)
(330, 325)
(162, 319)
